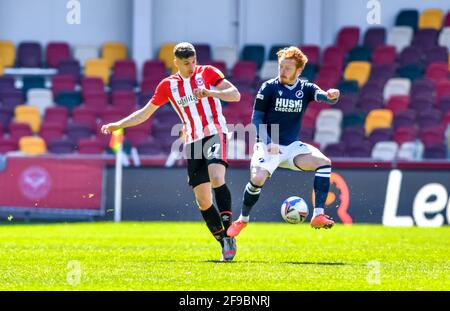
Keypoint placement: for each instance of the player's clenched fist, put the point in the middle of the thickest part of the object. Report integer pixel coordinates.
(200, 93)
(333, 94)
(109, 128)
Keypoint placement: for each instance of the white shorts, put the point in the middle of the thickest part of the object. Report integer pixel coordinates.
(262, 158)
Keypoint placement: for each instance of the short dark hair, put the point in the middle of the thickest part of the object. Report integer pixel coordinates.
(184, 50)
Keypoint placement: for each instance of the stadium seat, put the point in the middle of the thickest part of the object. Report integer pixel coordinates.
(354, 119)
(32, 82)
(7, 84)
(86, 116)
(2, 68)
(444, 37)
(56, 52)
(32, 145)
(422, 103)
(40, 98)
(125, 69)
(378, 118)
(348, 87)
(124, 100)
(274, 50)
(431, 18)
(269, 70)
(353, 135)
(423, 87)
(411, 72)
(228, 54)
(437, 72)
(166, 55)
(7, 145)
(380, 134)
(137, 134)
(244, 71)
(56, 114)
(327, 136)
(6, 115)
(442, 89)
(400, 37)
(82, 53)
(362, 150)
(309, 72)
(61, 146)
(405, 134)
(97, 68)
(7, 53)
(410, 55)
(329, 118)
(70, 67)
(63, 83)
(436, 54)
(405, 118)
(149, 147)
(90, 146)
(154, 69)
(29, 54)
(425, 39)
(347, 103)
(380, 74)
(398, 103)
(113, 51)
(29, 115)
(408, 17)
(385, 151)
(69, 100)
(75, 132)
(18, 130)
(396, 86)
(429, 118)
(219, 65)
(121, 84)
(255, 53)
(336, 150)
(312, 52)
(348, 38)
(384, 55)
(203, 52)
(51, 130)
(92, 85)
(374, 37)
(438, 151)
(444, 104)
(359, 53)
(432, 136)
(12, 98)
(359, 71)
(334, 56)
(411, 151)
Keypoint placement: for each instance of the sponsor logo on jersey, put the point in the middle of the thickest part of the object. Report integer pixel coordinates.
(280, 92)
(187, 100)
(288, 105)
(260, 96)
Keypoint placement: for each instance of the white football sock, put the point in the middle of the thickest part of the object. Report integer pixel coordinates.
(318, 211)
(244, 218)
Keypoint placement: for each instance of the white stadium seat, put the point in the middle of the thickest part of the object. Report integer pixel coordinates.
(400, 37)
(385, 150)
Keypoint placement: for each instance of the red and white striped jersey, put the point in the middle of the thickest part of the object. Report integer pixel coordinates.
(201, 117)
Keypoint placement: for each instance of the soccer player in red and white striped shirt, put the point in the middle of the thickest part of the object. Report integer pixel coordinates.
(195, 92)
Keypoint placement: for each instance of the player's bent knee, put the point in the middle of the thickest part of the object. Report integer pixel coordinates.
(204, 203)
(323, 162)
(217, 180)
(259, 179)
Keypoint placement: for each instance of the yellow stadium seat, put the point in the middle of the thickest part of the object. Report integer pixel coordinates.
(378, 118)
(97, 68)
(32, 145)
(30, 115)
(166, 55)
(359, 71)
(114, 51)
(1, 67)
(431, 18)
(7, 53)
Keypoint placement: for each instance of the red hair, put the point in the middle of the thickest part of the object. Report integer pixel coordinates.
(294, 53)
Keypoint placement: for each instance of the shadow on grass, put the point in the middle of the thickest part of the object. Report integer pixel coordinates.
(282, 262)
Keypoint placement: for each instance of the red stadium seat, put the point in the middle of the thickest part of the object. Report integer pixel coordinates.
(384, 55)
(63, 83)
(312, 52)
(57, 52)
(348, 38)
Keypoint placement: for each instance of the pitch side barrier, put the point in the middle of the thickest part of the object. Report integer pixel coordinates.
(362, 191)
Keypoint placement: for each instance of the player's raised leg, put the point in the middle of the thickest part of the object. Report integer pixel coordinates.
(221, 192)
(319, 163)
(251, 195)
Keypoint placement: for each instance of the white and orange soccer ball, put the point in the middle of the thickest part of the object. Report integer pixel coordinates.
(294, 210)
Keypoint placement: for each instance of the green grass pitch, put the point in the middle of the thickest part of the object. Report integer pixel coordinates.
(183, 256)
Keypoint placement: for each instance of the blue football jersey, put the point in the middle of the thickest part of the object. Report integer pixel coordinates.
(285, 105)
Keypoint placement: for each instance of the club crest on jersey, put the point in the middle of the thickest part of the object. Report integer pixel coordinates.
(200, 81)
(299, 94)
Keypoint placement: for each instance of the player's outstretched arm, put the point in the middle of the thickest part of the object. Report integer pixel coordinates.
(225, 91)
(331, 96)
(133, 119)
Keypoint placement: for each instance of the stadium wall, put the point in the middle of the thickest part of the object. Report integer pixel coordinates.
(45, 20)
(393, 197)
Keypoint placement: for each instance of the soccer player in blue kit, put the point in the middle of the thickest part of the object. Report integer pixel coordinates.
(281, 102)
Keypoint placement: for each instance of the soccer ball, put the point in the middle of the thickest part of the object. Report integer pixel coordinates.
(294, 210)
